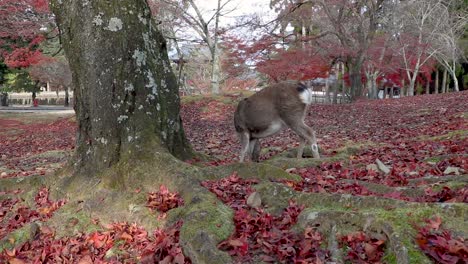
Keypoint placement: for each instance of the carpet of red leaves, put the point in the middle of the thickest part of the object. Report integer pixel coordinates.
(21, 142)
(118, 243)
(23, 214)
(440, 244)
(260, 236)
(394, 123)
(398, 131)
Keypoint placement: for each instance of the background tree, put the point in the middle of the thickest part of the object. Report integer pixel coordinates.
(449, 51)
(55, 72)
(205, 24)
(19, 80)
(421, 24)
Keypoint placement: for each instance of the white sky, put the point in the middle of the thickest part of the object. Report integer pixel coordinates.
(240, 7)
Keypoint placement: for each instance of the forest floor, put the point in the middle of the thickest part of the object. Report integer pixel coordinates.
(391, 187)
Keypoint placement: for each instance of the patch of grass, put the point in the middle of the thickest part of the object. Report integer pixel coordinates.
(452, 134)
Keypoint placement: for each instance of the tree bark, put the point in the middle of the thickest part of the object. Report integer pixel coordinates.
(428, 87)
(403, 88)
(327, 89)
(444, 81)
(215, 69)
(356, 79)
(455, 82)
(126, 97)
(436, 87)
(67, 98)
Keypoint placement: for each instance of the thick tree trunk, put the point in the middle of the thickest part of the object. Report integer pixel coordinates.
(436, 86)
(126, 97)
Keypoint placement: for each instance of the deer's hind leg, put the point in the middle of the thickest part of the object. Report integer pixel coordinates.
(254, 149)
(245, 142)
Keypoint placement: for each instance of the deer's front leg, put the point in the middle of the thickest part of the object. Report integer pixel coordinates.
(307, 135)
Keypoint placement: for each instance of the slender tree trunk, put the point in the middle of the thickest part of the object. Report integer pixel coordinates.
(216, 70)
(412, 84)
(126, 96)
(3, 99)
(391, 92)
(335, 92)
(436, 86)
(356, 80)
(428, 87)
(444, 81)
(67, 97)
(403, 88)
(327, 89)
(343, 83)
(455, 82)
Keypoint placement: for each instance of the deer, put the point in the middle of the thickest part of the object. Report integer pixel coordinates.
(270, 110)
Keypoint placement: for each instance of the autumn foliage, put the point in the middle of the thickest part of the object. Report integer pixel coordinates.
(420, 140)
(442, 246)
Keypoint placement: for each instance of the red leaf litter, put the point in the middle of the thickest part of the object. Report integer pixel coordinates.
(440, 245)
(17, 149)
(164, 200)
(260, 236)
(14, 214)
(119, 243)
(362, 249)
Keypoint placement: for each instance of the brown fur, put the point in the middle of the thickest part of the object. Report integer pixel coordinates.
(267, 112)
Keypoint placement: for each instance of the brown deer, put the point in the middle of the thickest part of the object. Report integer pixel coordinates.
(270, 110)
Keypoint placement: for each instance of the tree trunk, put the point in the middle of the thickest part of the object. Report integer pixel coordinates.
(327, 89)
(412, 85)
(126, 97)
(343, 83)
(428, 87)
(436, 86)
(215, 68)
(403, 88)
(356, 80)
(444, 81)
(335, 92)
(67, 97)
(455, 82)
(3, 99)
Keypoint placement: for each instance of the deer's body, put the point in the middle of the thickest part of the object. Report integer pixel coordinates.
(269, 111)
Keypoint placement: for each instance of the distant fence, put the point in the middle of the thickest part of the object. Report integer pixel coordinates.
(44, 98)
(319, 97)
